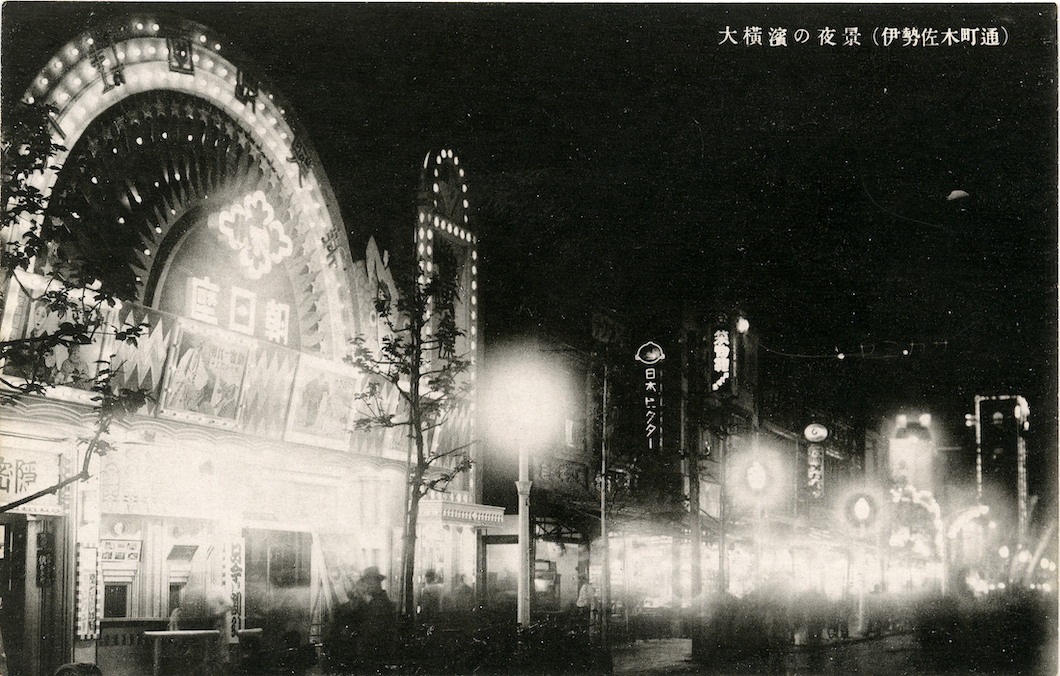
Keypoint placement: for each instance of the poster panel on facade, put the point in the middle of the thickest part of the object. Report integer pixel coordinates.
(267, 389)
(69, 370)
(140, 365)
(204, 375)
(322, 404)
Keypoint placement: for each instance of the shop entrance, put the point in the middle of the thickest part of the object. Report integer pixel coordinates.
(278, 589)
(31, 569)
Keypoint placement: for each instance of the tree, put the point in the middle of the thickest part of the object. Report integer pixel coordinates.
(417, 361)
(36, 240)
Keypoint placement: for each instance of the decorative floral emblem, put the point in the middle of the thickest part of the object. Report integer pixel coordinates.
(251, 229)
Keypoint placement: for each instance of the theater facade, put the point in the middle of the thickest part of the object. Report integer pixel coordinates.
(242, 482)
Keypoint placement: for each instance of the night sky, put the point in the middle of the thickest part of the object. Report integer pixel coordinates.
(619, 157)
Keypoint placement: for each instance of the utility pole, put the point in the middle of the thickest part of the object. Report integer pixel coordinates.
(605, 569)
(723, 566)
(690, 445)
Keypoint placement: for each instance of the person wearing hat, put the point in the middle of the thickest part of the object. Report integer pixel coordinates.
(377, 621)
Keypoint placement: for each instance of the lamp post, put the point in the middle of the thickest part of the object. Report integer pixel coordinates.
(757, 479)
(522, 405)
(523, 487)
(862, 511)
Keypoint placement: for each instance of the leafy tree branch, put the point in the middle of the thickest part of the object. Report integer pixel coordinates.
(35, 240)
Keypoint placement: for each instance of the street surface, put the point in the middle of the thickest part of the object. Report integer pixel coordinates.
(888, 656)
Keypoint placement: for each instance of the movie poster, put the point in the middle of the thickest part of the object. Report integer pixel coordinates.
(322, 407)
(204, 377)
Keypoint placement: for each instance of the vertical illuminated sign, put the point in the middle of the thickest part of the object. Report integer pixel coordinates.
(651, 355)
(815, 469)
(721, 364)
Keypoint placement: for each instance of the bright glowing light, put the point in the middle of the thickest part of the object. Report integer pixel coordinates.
(1024, 556)
(862, 509)
(523, 397)
(757, 477)
(1003, 552)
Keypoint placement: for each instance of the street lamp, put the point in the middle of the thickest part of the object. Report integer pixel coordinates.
(861, 512)
(523, 402)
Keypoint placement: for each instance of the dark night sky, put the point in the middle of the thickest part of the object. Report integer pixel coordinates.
(619, 156)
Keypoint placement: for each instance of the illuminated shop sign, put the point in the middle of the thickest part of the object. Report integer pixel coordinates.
(651, 354)
(721, 365)
(815, 469)
(250, 228)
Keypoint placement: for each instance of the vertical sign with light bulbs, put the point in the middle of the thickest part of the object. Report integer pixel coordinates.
(721, 365)
(651, 355)
(815, 433)
(730, 366)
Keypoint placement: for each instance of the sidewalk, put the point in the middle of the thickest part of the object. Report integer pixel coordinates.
(659, 657)
(654, 656)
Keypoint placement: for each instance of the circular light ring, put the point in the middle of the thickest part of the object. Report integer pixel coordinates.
(88, 94)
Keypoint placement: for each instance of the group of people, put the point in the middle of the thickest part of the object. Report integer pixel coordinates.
(435, 599)
(360, 637)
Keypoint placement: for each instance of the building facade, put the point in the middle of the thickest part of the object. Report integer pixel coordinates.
(242, 484)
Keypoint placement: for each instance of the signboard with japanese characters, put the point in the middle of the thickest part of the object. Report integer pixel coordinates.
(721, 363)
(815, 470)
(651, 356)
(234, 583)
(23, 473)
(231, 270)
(89, 593)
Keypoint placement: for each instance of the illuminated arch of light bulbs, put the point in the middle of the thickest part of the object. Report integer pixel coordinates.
(79, 82)
(432, 225)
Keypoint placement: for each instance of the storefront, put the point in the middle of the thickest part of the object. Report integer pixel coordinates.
(239, 501)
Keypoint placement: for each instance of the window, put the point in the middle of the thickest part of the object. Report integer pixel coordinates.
(116, 600)
(175, 595)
